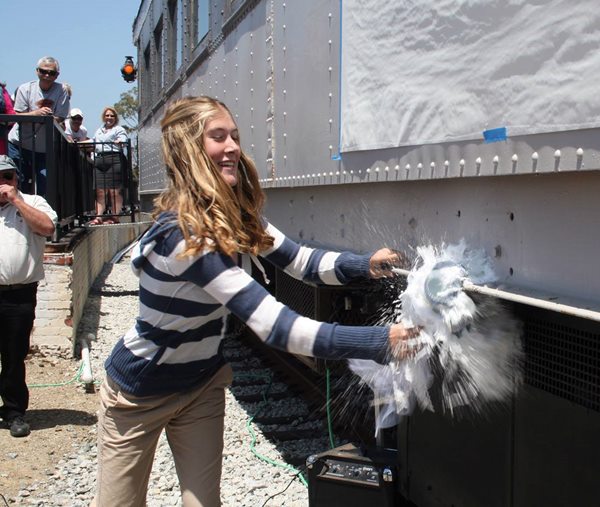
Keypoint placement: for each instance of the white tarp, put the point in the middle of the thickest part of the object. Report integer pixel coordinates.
(428, 71)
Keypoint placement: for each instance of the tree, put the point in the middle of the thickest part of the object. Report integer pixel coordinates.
(127, 108)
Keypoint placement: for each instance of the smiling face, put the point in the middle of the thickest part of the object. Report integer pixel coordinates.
(222, 145)
(47, 74)
(110, 118)
(76, 123)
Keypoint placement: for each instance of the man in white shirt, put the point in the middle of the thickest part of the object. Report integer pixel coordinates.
(74, 128)
(25, 222)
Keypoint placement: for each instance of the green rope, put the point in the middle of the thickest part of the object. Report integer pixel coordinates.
(328, 406)
(60, 384)
(253, 434)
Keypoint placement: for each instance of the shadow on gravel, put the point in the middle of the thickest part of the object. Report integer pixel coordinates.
(90, 318)
(113, 293)
(53, 417)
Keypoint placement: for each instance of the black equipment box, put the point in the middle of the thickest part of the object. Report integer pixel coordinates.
(351, 477)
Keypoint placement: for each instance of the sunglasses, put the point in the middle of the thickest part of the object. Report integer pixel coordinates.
(7, 175)
(109, 115)
(46, 72)
(76, 118)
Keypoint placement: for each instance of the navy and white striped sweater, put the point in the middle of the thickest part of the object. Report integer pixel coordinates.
(175, 344)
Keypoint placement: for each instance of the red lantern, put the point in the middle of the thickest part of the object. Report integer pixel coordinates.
(128, 71)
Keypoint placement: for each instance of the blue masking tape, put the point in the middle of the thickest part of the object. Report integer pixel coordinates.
(495, 135)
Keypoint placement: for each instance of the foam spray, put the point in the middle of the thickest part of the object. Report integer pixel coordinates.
(469, 350)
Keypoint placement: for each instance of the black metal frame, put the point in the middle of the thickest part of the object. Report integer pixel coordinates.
(70, 179)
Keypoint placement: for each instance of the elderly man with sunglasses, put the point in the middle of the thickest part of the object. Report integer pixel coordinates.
(25, 221)
(27, 142)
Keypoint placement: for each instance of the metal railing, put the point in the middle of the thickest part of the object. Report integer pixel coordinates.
(66, 173)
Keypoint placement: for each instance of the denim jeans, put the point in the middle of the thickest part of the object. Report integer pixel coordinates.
(26, 161)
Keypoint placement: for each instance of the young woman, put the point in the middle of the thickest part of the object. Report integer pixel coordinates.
(168, 372)
(108, 161)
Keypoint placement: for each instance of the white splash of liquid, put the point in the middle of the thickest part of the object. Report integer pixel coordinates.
(470, 346)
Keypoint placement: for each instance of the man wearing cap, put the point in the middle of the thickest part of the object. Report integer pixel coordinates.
(27, 142)
(25, 221)
(74, 128)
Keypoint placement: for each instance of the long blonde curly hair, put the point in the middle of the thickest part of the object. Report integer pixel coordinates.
(211, 214)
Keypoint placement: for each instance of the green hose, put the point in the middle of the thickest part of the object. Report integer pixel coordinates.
(327, 405)
(60, 384)
(253, 434)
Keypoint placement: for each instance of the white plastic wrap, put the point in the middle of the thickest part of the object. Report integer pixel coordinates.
(428, 72)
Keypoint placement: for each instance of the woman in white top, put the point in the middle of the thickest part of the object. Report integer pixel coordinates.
(110, 166)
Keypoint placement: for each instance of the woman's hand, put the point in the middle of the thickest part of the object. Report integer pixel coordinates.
(384, 260)
(403, 341)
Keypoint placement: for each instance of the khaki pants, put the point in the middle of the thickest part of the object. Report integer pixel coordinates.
(128, 431)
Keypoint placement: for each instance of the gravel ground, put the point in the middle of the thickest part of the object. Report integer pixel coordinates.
(247, 481)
